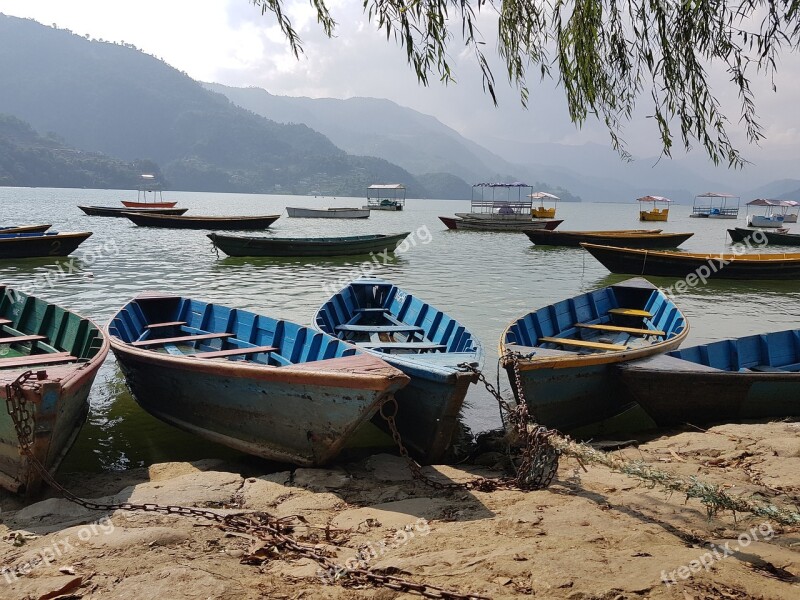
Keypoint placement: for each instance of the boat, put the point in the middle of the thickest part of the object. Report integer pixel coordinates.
(423, 342)
(113, 211)
(234, 245)
(65, 351)
(328, 213)
(542, 211)
(37, 245)
(789, 210)
(499, 207)
(706, 265)
(770, 218)
(655, 213)
(24, 229)
(472, 224)
(759, 236)
(202, 221)
(751, 377)
(386, 196)
(715, 205)
(629, 238)
(565, 352)
(264, 386)
(149, 195)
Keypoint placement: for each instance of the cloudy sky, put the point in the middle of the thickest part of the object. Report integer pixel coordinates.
(231, 42)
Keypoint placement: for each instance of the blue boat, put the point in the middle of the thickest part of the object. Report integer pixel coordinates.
(752, 377)
(420, 340)
(565, 352)
(264, 386)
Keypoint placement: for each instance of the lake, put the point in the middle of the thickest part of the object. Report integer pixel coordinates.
(485, 280)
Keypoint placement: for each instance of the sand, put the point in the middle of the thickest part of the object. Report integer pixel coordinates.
(592, 534)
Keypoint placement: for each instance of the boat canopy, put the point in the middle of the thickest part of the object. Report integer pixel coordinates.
(386, 194)
(542, 196)
(768, 202)
(387, 186)
(715, 195)
(502, 202)
(653, 199)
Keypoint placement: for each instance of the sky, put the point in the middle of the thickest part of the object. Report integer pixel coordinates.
(232, 43)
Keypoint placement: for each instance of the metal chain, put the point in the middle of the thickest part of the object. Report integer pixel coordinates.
(278, 532)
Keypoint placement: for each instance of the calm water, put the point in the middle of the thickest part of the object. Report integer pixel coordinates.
(483, 279)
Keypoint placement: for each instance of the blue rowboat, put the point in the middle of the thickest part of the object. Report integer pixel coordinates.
(752, 377)
(420, 340)
(565, 352)
(65, 351)
(264, 386)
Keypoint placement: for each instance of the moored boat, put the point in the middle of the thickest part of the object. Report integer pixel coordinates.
(655, 213)
(626, 238)
(328, 213)
(752, 377)
(237, 245)
(114, 211)
(499, 224)
(37, 245)
(24, 229)
(149, 194)
(220, 223)
(564, 352)
(422, 341)
(761, 236)
(263, 386)
(386, 196)
(65, 351)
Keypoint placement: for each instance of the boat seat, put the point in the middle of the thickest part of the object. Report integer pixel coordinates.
(37, 359)
(166, 324)
(372, 310)
(402, 345)
(582, 344)
(381, 328)
(630, 312)
(183, 338)
(19, 339)
(235, 352)
(6, 321)
(633, 330)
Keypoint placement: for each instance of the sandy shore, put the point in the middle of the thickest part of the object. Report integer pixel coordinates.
(594, 534)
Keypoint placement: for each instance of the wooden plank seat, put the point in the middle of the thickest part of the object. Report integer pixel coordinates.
(380, 309)
(630, 312)
(166, 324)
(235, 352)
(617, 328)
(402, 345)
(37, 359)
(381, 328)
(582, 343)
(5, 321)
(179, 339)
(19, 339)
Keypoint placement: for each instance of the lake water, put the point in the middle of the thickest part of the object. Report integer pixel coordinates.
(485, 280)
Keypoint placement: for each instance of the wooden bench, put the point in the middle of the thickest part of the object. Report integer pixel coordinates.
(37, 359)
(401, 345)
(630, 312)
(633, 330)
(234, 352)
(582, 344)
(166, 324)
(371, 310)
(19, 339)
(5, 321)
(381, 328)
(179, 339)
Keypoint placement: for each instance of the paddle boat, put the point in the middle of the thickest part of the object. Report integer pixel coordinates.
(386, 196)
(38, 245)
(149, 195)
(542, 211)
(629, 238)
(770, 218)
(202, 221)
(237, 245)
(328, 213)
(655, 213)
(715, 205)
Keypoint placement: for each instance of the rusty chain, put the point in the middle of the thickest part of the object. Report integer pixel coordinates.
(278, 532)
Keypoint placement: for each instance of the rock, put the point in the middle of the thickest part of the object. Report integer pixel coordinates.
(50, 515)
(321, 479)
(386, 467)
(397, 515)
(262, 493)
(192, 489)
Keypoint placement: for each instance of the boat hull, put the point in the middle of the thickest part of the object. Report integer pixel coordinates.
(288, 247)
(113, 211)
(773, 238)
(773, 221)
(498, 224)
(216, 223)
(321, 213)
(134, 204)
(628, 240)
(659, 215)
(24, 229)
(38, 245)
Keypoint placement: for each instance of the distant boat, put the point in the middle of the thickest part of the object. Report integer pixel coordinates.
(542, 211)
(631, 238)
(113, 211)
(37, 245)
(149, 195)
(773, 238)
(234, 245)
(25, 229)
(715, 205)
(386, 196)
(488, 224)
(328, 213)
(566, 350)
(655, 213)
(752, 377)
(681, 264)
(771, 218)
(423, 342)
(68, 350)
(260, 385)
(202, 222)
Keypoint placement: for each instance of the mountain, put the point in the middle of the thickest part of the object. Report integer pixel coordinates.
(783, 189)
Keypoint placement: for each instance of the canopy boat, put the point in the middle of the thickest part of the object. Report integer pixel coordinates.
(542, 211)
(423, 342)
(234, 245)
(202, 222)
(655, 213)
(328, 213)
(113, 211)
(715, 205)
(752, 377)
(24, 229)
(149, 195)
(789, 210)
(264, 386)
(682, 264)
(770, 218)
(37, 245)
(565, 352)
(499, 207)
(386, 196)
(629, 238)
(758, 236)
(65, 351)
(479, 224)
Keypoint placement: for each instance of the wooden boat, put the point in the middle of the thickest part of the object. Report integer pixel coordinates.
(655, 213)
(24, 229)
(234, 245)
(149, 195)
(752, 377)
(566, 351)
(113, 211)
(202, 222)
(264, 386)
(484, 224)
(328, 213)
(626, 238)
(681, 264)
(66, 351)
(420, 340)
(773, 238)
(36, 245)
(386, 196)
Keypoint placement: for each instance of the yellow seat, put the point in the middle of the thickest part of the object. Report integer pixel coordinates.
(583, 344)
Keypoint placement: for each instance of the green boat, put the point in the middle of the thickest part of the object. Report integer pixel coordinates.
(49, 358)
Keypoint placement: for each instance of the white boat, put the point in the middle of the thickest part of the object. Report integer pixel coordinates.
(765, 220)
(328, 213)
(715, 205)
(771, 218)
(386, 196)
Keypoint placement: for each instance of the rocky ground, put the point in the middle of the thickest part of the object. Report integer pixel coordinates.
(592, 534)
